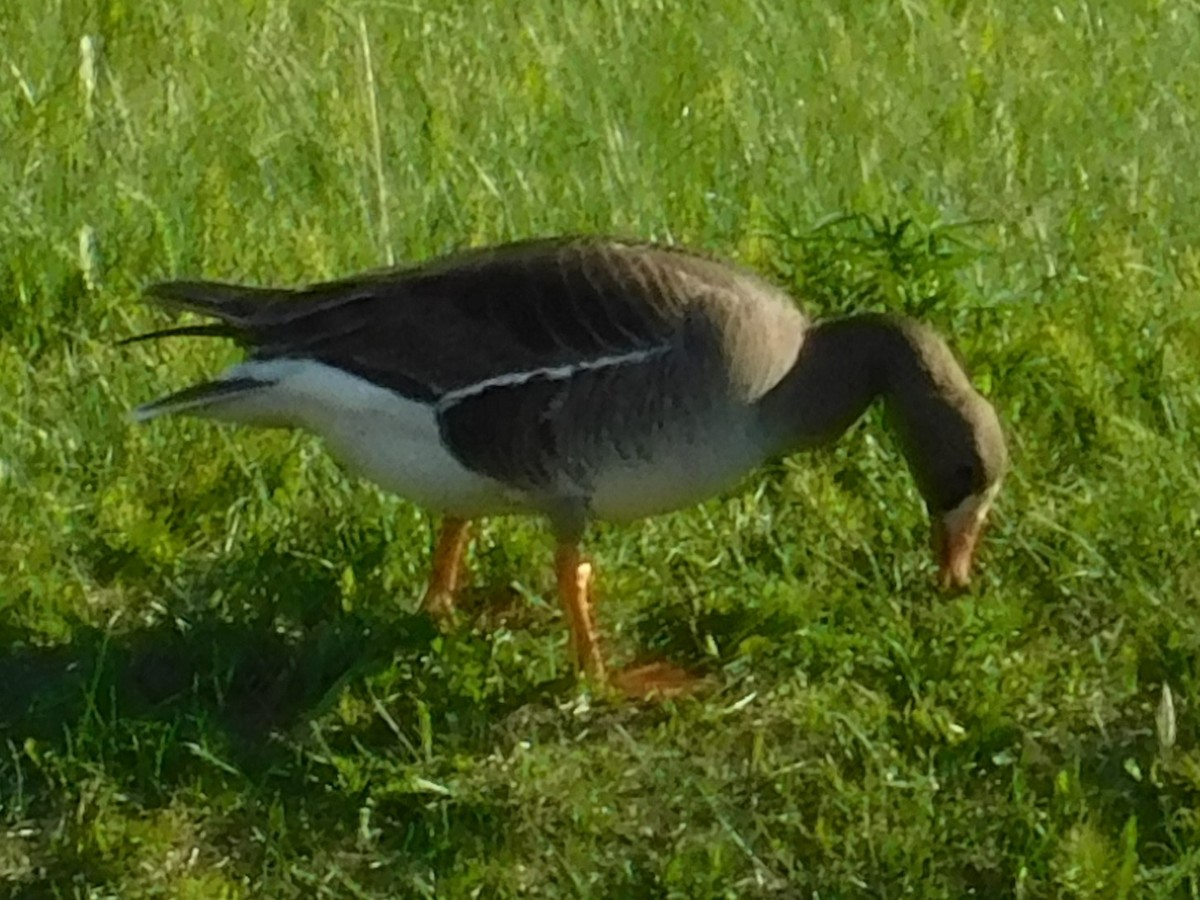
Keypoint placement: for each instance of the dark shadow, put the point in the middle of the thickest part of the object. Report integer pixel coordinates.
(255, 649)
(243, 678)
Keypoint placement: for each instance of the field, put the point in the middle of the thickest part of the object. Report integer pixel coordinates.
(215, 680)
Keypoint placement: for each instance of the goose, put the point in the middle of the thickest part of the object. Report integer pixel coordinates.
(580, 379)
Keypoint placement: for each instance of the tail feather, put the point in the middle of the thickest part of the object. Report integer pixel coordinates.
(237, 310)
(197, 398)
(260, 316)
(214, 329)
(235, 304)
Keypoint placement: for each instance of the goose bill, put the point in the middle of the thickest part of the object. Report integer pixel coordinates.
(956, 537)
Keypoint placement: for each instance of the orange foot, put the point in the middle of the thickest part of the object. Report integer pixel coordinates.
(658, 681)
(645, 681)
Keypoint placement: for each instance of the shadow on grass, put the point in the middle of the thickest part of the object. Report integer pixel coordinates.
(273, 652)
(246, 677)
(243, 713)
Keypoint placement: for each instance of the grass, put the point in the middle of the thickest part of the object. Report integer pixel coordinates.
(215, 680)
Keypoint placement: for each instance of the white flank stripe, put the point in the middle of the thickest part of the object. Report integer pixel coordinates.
(374, 431)
(549, 373)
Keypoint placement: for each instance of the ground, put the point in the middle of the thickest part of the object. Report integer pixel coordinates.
(216, 680)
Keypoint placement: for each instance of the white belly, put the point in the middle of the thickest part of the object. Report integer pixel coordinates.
(372, 431)
(395, 443)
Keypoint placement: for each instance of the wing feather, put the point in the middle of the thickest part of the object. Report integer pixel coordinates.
(453, 323)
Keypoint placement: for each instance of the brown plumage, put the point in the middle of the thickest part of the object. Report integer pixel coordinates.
(585, 378)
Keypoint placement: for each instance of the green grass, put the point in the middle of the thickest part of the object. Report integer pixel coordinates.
(214, 681)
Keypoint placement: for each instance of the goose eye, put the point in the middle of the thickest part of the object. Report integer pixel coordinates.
(964, 479)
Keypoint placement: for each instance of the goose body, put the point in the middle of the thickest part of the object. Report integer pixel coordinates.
(581, 379)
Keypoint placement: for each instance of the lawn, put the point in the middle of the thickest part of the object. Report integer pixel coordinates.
(215, 680)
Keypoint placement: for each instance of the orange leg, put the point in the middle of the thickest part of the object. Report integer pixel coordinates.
(640, 682)
(574, 587)
(448, 555)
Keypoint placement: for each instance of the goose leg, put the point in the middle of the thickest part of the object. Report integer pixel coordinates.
(654, 680)
(445, 576)
(574, 575)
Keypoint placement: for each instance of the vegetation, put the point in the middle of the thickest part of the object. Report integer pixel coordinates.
(214, 681)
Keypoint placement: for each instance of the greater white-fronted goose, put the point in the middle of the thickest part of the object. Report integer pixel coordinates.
(584, 379)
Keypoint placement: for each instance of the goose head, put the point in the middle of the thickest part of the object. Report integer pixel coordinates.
(955, 448)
